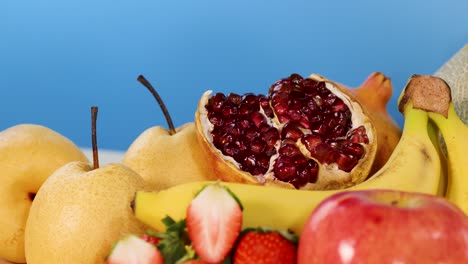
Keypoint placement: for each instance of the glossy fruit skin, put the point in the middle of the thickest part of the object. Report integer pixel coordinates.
(384, 226)
(29, 154)
(264, 247)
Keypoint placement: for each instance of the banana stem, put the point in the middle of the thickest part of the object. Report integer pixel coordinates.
(416, 120)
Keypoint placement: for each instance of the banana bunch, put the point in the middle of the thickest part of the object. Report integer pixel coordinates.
(417, 164)
(455, 135)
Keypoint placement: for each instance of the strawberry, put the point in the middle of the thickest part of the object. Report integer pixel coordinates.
(150, 238)
(174, 242)
(265, 246)
(133, 249)
(214, 222)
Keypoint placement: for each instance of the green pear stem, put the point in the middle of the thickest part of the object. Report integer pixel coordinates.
(158, 98)
(94, 113)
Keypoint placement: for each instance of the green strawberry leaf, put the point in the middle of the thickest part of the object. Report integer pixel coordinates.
(174, 241)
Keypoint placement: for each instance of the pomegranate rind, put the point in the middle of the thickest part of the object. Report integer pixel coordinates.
(223, 167)
(330, 177)
(374, 94)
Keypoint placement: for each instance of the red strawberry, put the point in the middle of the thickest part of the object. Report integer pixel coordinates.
(214, 221)
(266, 247)
(150, 239)
(133, 249)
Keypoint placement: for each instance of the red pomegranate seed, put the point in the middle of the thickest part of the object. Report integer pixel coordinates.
(250, 99)
(225, 139)
(358, 135)
(294, 115)
(281, 109)
(285, 170)
(263, 162)
(291, 131)
(311, 141)
(245, 109)
(323, 153)
(345, 162)
(270, 136)
(234, 99)
(250, 161)
(216, 102)
(258, 119)
(228, 110)
(300, 161)
(257, 146)
(354, 148)
(251, 133)
(289, 150)
(215, 119)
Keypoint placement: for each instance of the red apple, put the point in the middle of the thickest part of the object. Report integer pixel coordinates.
(384, 226)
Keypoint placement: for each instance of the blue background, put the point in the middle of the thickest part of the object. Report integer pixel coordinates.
(58, 58)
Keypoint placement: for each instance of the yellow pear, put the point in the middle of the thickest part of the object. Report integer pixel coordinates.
(80, 211)
(165, 158)
(29, 154)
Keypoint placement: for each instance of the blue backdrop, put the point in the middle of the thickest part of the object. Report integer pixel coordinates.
(58, 58)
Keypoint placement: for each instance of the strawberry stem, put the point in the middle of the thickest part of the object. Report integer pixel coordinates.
(94, 112)
(158, 98)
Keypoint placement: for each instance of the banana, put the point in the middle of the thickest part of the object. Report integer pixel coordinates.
(434, 134)
(454, 132)
(414, 166)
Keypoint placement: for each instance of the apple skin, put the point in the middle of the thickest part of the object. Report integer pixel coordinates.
(384, 226)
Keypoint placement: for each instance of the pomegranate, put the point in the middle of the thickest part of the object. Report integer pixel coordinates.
(374, 94)
(306, 133)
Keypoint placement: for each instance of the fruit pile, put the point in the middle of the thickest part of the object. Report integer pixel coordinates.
(210, 232)
(311, 172)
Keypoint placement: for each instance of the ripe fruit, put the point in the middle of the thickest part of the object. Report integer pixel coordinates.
(305, 134)
(441, 111)
(374, 94)
(265, 246)
(80, 211)
(384, 226)
(133, 249)
(157, 153)
(29, 154)
(150, 239)
(214, 221)
(283, 209)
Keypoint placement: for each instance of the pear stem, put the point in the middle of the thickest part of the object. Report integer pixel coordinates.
(158, 98)
(94, 112)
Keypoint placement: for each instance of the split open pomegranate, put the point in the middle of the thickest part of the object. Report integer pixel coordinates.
(306, 133)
